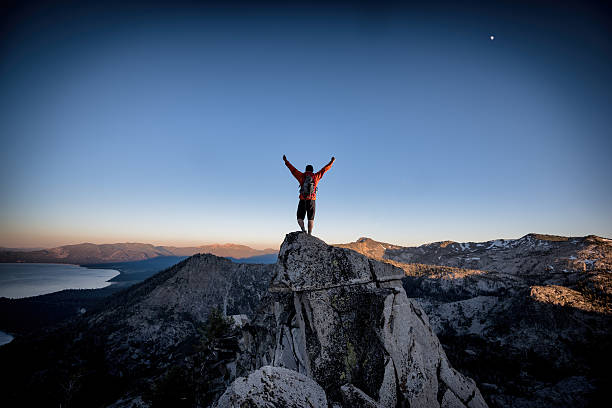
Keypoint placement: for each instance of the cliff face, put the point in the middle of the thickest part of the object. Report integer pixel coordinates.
(344, 320)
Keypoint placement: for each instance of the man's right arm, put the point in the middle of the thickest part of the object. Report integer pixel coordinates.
(296, 173)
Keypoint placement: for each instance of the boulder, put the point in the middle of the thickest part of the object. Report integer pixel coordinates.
(273, 387)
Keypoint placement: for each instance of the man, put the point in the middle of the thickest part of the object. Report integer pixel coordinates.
(308, 191)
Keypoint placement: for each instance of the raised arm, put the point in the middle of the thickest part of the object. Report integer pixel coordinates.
(321, 172)
(296, 173)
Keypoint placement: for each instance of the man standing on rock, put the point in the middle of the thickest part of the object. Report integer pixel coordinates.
(308, 191)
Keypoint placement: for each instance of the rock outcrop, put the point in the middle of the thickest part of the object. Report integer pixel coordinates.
(273, 387)
(345, 321)
(537, 308)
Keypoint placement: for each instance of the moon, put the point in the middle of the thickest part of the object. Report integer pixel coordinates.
(492, 37)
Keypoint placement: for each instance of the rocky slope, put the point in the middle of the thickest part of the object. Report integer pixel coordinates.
(537, 308)
(344, 320)
(139, 335)
(122, 252)
(156, 317)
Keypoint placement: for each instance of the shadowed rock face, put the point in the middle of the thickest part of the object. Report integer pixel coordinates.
(344, 320)
(534, 318)
(153, 318)
(119, 353)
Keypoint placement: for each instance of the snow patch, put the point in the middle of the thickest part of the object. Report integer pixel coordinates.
(498, 243)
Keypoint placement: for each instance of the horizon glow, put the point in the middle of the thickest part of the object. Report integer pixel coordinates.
(167, 124)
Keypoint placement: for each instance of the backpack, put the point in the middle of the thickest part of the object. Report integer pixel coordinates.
(308, 186)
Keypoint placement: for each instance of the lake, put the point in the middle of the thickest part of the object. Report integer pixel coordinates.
(18, 280)
(5, 338)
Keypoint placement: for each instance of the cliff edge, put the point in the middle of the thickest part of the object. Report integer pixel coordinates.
(344, 321)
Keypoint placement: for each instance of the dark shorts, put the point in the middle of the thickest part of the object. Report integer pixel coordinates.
(306, 207)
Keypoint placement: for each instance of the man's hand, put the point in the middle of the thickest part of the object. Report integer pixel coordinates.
(284, 158)
(333, 159)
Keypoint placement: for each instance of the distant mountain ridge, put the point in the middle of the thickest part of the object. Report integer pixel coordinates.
(5, 249)
(86, 253)
(532, 256)
(529, 319)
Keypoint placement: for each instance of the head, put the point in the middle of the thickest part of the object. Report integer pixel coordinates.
(309, 168)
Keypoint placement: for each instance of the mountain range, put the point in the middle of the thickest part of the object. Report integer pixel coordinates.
(88, 253)
(530, 319)
(324, 320)
(366, 323)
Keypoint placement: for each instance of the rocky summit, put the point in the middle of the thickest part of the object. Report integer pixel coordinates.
(344, 321)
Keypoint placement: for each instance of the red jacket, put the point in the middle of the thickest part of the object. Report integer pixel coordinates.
(315, 177)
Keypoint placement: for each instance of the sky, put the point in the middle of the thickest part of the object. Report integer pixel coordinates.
(166, 123)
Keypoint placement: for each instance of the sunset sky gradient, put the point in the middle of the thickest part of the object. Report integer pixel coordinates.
(167, 124)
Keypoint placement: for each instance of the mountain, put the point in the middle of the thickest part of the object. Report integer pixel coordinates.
(260, 259)
(130, 342)
(5, 249)
(19, 316)
(224, 250)
(88, 253)
(369, 247)
(532, 256)
(530, 319)
(326, 323)
(341, 329)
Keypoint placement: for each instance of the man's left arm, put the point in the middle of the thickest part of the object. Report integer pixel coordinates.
(321, 172)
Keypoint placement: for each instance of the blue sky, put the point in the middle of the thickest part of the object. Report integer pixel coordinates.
(168, 124)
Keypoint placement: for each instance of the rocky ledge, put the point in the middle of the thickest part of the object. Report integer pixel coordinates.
(344, 321)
